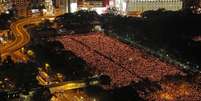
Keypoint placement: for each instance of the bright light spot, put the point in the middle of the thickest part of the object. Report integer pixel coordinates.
(39, 69)
(35, 10)
(130, 59)
(30, 52)
(73, 7)
(1, 39)
(24, 58)
(99, 10)
(51, 19)
(47, 65)
(166, 96)
(124, 6)
(183, 89)
(111, 3)
(7, 12)
(22, 49)
(84, 8)
(44, 10)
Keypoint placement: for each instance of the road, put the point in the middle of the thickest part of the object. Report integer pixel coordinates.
(22, 37)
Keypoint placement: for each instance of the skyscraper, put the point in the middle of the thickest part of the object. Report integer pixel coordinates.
(5, 5)
(57, 3)
(65, 6)
(49, 7)
(20, 6)
(144, 5)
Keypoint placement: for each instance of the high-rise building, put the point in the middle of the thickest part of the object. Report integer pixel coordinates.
(5, 5)
(144, 5)
(57, 3)
(49, 8)
(27, 7)
(99, 6)
(64, 6)
(74, 5)
(21, 6)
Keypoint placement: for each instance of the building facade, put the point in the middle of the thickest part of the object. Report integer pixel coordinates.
(144, 5)
(30, 7)
(64, 6)
(5, 5)
(49, 8)
(20, 6)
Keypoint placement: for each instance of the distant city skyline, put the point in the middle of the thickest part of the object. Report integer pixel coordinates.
(23, 7)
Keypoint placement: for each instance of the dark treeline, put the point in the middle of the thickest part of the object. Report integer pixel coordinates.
(169, 33)
(79, 22)
(5, 20)
(48, 50)
(61, 61)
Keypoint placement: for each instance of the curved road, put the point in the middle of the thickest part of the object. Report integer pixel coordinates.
(22, 37)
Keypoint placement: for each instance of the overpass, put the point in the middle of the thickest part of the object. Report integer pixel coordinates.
(21, 35)
(54, 88)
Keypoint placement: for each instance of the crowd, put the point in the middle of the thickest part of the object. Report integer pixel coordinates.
(179, 91)
(101, 54)
(126, 66)
(123, 63)
(165, 32)
(98, 63)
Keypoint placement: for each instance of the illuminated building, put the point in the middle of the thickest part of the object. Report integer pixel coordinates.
(5, 5)
(125, 6)
(42, 7)
(35, 7)
(57, 7)
(24, 7)
(99, 6)
(64, 6)
(49, 8)
(139, 6)
(144, 5)
(57, 3)
(20, 6)
(67, 6)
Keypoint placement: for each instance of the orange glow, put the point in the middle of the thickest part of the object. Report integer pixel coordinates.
(166, 96)
(183, 89)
